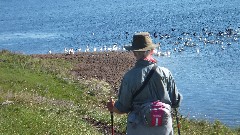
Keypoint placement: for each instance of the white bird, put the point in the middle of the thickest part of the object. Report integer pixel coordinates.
(87, 49)
(158, 53)
(198, 50)
(168, 53)
(235, 38)
(65, 51)
(105, 48)
(110, 49)
(222, 47)
(94, 49)
(155, 51)
(115, 48)
(71, 51)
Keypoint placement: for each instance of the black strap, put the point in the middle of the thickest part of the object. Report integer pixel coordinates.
(145, 81)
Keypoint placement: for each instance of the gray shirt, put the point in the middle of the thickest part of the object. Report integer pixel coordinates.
(161, 87)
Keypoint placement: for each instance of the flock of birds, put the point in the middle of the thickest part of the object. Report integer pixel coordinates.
(176, 43)
(95, 49)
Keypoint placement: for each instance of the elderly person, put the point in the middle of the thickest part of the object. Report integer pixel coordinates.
(160, 87)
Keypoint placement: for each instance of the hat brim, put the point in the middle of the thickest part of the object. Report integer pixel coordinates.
(131, 48)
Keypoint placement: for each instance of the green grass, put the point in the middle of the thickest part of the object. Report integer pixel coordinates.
(48, 100)
(27, 119)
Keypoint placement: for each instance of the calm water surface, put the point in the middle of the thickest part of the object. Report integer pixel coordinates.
(208, 80)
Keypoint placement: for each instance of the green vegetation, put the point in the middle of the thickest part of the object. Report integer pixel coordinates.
(40, 96)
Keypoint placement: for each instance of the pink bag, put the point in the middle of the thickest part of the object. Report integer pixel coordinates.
(155, 113)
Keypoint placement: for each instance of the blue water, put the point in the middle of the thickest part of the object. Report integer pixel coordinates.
(209, 83)
(208, 80)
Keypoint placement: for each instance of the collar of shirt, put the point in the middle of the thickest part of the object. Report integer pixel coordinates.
(143, 62)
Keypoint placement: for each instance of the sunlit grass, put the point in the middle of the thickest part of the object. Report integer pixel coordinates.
(42, 119)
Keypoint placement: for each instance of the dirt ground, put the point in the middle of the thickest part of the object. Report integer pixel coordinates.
(108, 66)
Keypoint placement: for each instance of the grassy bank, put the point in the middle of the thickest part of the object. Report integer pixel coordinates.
(42, 96)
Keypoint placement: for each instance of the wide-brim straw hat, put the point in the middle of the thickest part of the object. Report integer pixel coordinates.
(141, 42)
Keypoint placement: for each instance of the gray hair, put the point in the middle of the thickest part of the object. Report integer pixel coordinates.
(142, 54)
(146, 53)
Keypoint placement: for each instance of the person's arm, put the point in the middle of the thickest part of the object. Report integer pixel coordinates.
(175, 96)
(124, 102)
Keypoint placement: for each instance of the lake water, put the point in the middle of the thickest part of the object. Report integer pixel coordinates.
(207, 73)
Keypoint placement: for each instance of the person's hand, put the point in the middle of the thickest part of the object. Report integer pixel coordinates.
(110, 105)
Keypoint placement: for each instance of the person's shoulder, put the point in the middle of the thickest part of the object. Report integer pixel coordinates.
(164, 70)
(130, 73)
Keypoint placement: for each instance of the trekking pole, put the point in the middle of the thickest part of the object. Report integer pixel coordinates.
(112, 123)
(111, 119)
(177, 119)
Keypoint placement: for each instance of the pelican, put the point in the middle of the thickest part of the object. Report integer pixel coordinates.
(65, 51)
(105, 48)
(87, 49)
(115, 48)
(94, 49)
(110, 49)
(71, 51)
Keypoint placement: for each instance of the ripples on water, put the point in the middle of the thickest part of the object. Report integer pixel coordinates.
(208, 79)
(74, 22)
(209, 83)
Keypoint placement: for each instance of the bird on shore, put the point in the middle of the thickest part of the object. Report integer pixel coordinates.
(87, 49)
(180, 42)
(65, 51)
(94, 49)
(114, 48)
(71, 51)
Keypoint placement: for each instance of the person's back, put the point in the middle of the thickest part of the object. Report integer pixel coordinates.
(161, 87)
